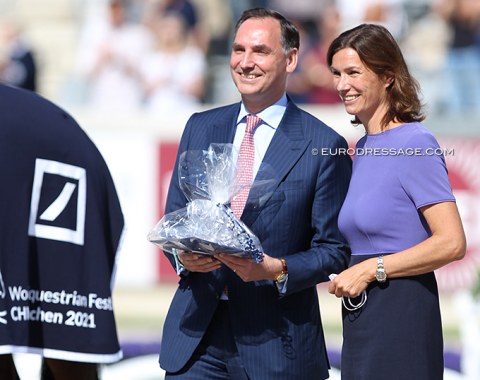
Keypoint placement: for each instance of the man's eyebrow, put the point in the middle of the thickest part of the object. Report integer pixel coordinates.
(260, 47)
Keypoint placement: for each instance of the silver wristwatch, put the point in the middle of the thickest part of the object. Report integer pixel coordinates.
(380, 274)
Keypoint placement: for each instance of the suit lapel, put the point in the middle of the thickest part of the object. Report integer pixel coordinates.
(286, 148)
(222, 129)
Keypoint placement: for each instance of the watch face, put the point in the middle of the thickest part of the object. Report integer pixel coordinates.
(381, 276)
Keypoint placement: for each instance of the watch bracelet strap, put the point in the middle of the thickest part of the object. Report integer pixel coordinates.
(284, 273)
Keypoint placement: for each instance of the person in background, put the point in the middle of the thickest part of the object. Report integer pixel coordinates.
(231, 317)
(314, 79)
(174, 73)
(392, 14)
(109, 56)
(462, 93)
(399, 217)
(18, 65)
(297, 84)
(190, 14)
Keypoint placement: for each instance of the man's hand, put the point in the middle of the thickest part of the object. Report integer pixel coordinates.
(249, 270)
(195, 262)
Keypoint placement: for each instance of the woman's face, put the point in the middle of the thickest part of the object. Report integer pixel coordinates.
(363, 92)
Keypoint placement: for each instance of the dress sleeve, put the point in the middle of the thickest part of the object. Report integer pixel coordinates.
(423, 172)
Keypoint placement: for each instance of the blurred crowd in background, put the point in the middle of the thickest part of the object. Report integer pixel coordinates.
(159, 55)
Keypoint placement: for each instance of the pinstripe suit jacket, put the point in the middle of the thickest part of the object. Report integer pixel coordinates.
(277, 337)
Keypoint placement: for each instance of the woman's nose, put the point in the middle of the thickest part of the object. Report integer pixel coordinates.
(341, 83)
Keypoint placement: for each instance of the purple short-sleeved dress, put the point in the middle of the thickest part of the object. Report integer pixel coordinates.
(397, 334)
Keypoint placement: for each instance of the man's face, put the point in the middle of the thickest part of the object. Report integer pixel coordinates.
(258, 64)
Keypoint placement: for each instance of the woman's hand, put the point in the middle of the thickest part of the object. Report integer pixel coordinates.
(354, 280)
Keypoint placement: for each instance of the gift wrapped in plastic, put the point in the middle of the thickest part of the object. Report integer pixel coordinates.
(207, 225)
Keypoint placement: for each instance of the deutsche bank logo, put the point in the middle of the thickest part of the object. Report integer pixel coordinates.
(57, 209)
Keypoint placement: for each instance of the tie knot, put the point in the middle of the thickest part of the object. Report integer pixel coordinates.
(252, 122)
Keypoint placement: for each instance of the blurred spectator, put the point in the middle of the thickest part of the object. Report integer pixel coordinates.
(389, 13)
(463, 58)
(110, 53)
(314, 78)
(425, 46)
(17, 62)
(215, 23)
(297, 85)
(237, 7)
(185, 8)
(306, 12)
(190, 14)
(174, 72)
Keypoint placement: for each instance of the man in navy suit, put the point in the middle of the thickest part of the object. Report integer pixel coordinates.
(268, 325)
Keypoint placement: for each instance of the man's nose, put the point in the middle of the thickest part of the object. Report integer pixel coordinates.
(247, 60)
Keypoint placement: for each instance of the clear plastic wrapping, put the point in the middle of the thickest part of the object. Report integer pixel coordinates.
(207, 225)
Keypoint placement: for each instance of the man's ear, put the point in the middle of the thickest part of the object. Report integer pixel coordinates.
(292, 60)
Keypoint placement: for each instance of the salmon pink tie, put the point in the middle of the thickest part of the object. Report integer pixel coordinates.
(244, 171)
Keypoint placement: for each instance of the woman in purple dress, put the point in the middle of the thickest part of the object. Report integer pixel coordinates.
(399, 216)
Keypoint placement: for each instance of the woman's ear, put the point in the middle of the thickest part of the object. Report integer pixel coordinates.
(389, 80)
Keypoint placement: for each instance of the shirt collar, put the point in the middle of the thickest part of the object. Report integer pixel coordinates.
(271, 116)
